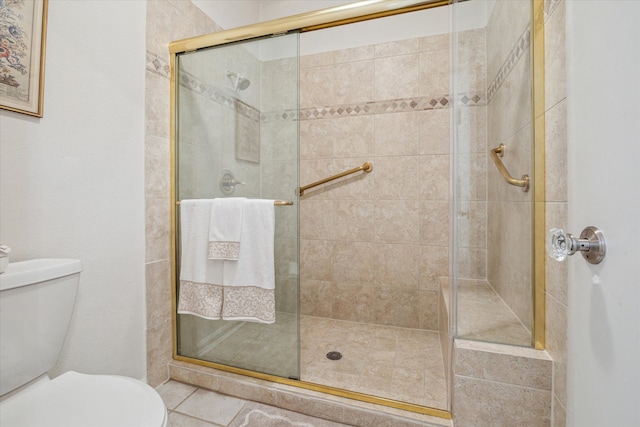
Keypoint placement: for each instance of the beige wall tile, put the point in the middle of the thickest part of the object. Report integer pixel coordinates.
(555, 58)
(316, 298)
(397, 265)
(434, 131)
(157, 229)
(316, 139)
(428, 310)
(556, 345)
(434, 264)
(354, 54)
(316, 219)
(486, 403)
(504, 364)
(397, 77)
(156, 105)
(397, 134)
(316, 60)
(353, 302)
(316, 259)
(396, 177)
(354, 136)
(158, 292)
(438, 42)
(434, 220)
(353, 82)
(434, 73)
(395, 48)
(397, 221)
(353, 262)
(159, 352)
(318, 84)
(559, 414)
(434, 177)
(156, 167)
(353, 220)
(396, 307)
(556, 152)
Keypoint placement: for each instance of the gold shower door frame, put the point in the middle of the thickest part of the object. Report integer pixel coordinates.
(342, 15)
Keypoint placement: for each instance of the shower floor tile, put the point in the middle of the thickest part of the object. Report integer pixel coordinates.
(383, 361)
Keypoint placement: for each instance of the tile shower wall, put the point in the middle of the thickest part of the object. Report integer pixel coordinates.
(472, 386)
(509, 122)
(166, 21)
(556, 199)
(373, 245)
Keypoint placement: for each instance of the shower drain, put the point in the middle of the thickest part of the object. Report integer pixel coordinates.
(334, 355)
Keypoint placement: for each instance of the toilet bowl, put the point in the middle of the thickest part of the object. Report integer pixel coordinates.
(36, 302)
(75, 399)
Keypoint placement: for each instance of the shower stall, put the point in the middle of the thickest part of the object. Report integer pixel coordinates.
(406, 117)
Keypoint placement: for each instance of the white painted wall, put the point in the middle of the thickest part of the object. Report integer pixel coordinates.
(72, 183)
(603, 88)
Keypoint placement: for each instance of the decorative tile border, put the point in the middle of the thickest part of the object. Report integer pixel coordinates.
(549, 7)
(157, 65)
(391, 106)
(190, 82)
(215, 94)
(518, 50)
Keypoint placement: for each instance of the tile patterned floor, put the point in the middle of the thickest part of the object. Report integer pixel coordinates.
(191, 406)
(384, 361)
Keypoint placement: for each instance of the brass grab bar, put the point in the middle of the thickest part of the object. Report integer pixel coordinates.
(275, 202)
(366, 167)
(498, 152)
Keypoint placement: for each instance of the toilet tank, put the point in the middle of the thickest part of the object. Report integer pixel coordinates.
(36, 302)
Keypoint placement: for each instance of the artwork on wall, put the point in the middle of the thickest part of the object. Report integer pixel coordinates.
(22, 52)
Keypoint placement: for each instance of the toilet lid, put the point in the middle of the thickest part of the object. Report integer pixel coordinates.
(82, 400)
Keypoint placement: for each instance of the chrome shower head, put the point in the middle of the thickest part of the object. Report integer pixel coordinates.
(239, 82)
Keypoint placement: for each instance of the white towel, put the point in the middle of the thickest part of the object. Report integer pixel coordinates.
(225, 228)
(200, 278)
(249, 292)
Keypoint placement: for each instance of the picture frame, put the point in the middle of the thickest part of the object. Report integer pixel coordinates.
(23, 31)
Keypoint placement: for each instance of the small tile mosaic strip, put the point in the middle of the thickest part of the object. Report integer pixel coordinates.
(157, 65)
(215, 94)
(549, 7)
(392, 106)
(517, 52)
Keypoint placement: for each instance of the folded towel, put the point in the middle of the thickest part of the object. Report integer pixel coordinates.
(225, 228)
(200, 291)
(249, 292)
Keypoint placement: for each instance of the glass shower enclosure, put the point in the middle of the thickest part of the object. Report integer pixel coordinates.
(237, 136)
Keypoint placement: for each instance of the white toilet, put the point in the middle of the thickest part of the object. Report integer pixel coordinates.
(36, 302)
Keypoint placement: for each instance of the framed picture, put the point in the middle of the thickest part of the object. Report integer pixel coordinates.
(23, 30)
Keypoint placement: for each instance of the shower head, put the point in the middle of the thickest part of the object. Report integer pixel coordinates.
(239, 82)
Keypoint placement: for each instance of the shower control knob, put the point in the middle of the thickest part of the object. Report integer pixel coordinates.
(590, 243)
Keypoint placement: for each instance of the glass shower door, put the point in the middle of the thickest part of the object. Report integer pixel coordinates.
(237, 136)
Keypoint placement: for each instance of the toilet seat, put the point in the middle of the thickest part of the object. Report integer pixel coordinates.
(75, 399)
